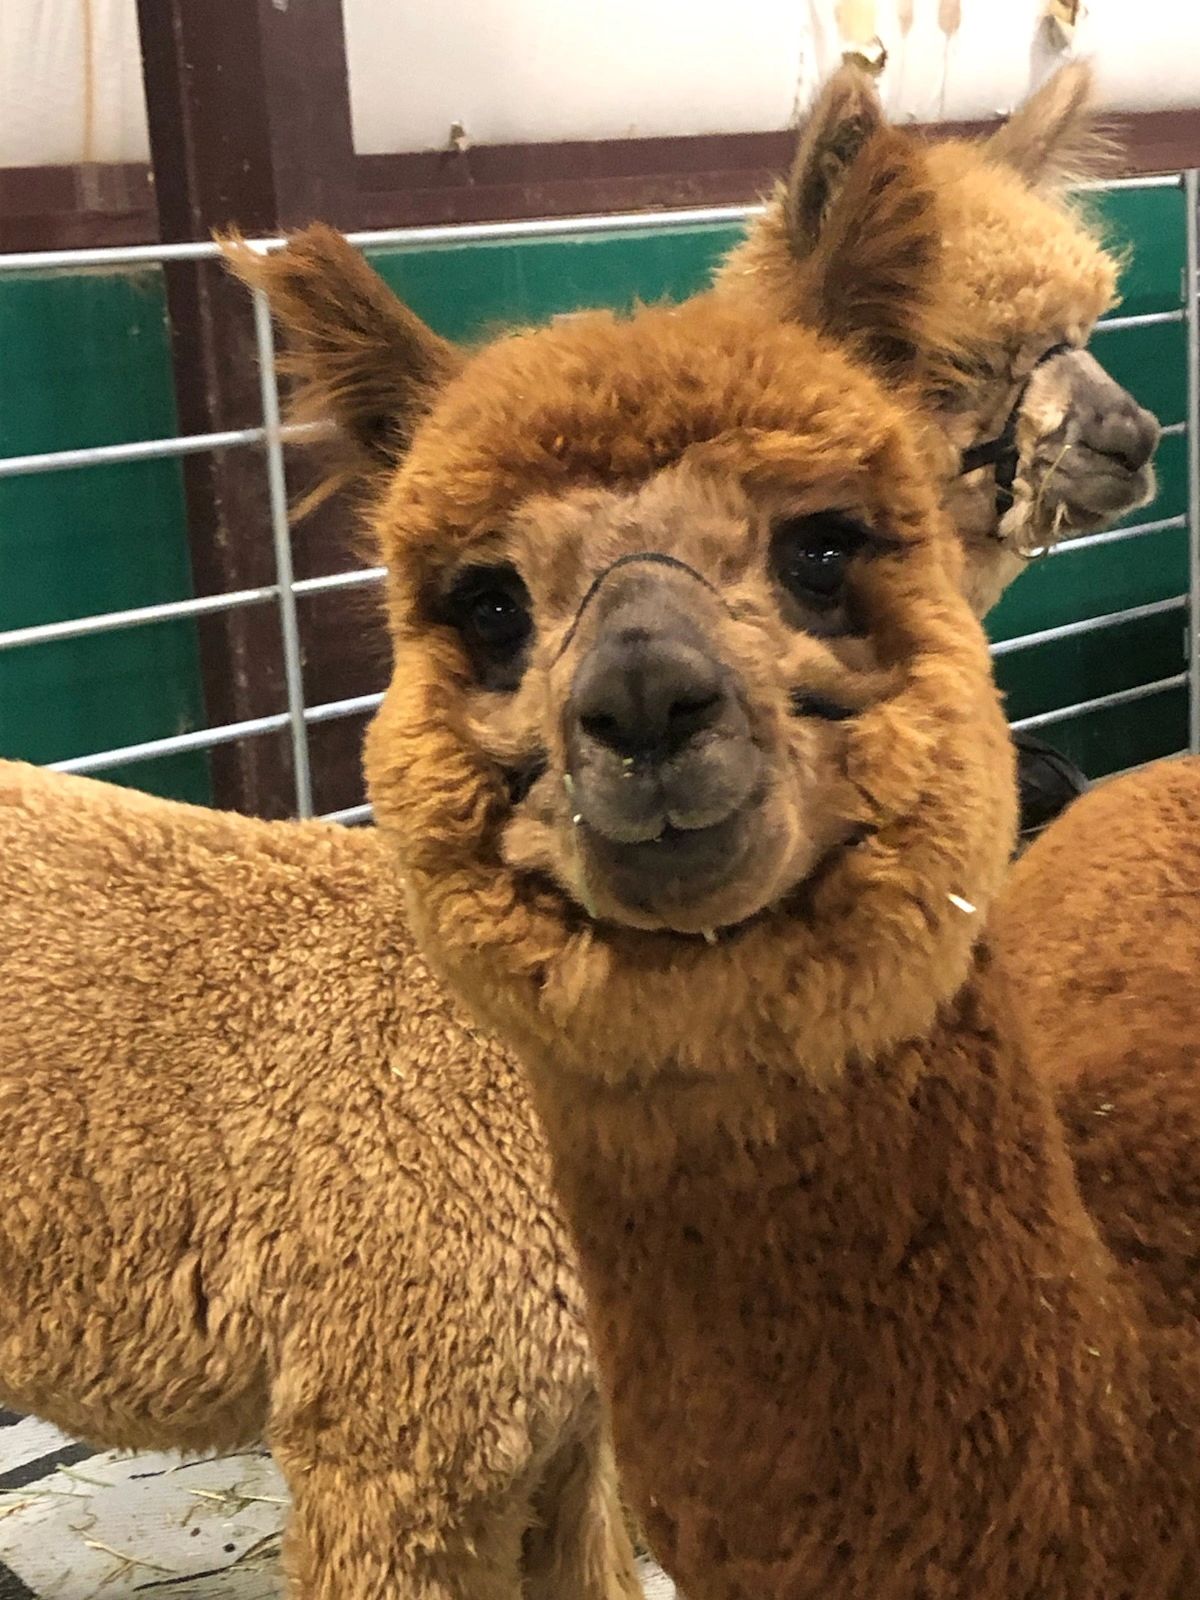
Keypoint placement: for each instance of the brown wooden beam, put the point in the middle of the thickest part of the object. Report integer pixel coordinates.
(51, 207)
(68, 207)
(488, 183)
(248, 106)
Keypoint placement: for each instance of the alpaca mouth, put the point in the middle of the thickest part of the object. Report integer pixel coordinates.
(1090, 487)
(679, 870)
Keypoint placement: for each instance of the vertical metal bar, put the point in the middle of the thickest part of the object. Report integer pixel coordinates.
(1191, 193)
(282, 537)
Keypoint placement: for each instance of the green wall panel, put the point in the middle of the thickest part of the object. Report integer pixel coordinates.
(85, 361)
(1151, 364)
(1147, 225)
(1124, 736)
(1047, 677)
(473, 291)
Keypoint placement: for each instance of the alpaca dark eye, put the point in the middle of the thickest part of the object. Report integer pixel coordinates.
(811, 556)
(496, 619)
(489, 606)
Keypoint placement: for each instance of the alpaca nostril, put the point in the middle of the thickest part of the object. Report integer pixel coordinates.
(646, 696)
(601, 727)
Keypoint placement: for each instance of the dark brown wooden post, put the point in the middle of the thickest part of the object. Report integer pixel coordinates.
(249, 114)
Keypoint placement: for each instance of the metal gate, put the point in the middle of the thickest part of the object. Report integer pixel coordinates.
(296, 717)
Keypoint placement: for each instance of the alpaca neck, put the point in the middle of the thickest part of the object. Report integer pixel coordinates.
(831, 1307)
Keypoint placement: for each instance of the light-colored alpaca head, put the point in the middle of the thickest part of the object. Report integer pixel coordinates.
(686, 701)
(1025, 275)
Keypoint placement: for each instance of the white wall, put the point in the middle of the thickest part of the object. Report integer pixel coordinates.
(70, 82)
(70, 78)
(582, 69)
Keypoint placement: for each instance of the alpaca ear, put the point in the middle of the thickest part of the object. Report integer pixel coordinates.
(873, 275)
(844, 117)
(1052, 137)
(360, 358)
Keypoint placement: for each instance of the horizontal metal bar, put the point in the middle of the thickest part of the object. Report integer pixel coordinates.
(332, 710)
(101, 455)
(174, 610)
(349, 815)
(1071, 630)
(210, 738)
(1125, 772)
(1136, 530)
(186, 444)
(178, 744)
(137, 616)
(401, 238)
(1102, 702)
(1145, 319)
(1155, 180)
(129, 255)
(339, 580)
(1172, 430)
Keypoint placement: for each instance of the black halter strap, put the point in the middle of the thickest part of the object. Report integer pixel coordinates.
(1001, 452)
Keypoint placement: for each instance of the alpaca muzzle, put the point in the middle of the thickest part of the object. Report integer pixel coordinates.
(660, 756)
(1108, 446)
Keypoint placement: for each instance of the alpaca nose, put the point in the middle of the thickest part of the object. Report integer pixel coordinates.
(1127, 433)
(646, 695)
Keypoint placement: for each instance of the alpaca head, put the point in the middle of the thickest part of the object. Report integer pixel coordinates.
(691, 746)
(1025, 280)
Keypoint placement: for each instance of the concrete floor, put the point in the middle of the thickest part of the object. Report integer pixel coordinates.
(75, 1525)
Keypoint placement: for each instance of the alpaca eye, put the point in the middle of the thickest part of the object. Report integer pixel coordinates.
(489, 606)
(497, 619)
(811, 556)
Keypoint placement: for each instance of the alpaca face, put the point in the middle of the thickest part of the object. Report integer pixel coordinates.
(679, 656)
(688, 716)
(675, 663)
(1026, 274)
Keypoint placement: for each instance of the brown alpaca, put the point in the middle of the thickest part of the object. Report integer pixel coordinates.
(374, 366)
(264, 1182)
(702, 791)
(1100, 928)
(1024, 274)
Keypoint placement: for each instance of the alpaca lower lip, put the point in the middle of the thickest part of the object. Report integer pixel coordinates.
(1103, 484)
(679, 864)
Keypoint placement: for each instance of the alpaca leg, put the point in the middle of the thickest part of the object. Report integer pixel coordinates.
(352, 1537)
(579, 1547)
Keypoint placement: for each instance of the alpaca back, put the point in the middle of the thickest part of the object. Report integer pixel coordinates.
(254, 1145)
(1101, 921)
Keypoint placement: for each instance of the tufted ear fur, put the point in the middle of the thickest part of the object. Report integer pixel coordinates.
(844, 117)
(360, 358)
(873, 274)
(851, 243)
(1052, 138)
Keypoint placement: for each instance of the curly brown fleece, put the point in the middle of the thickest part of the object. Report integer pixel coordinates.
(859, 1333)
(263, 1181)
(1099, 926)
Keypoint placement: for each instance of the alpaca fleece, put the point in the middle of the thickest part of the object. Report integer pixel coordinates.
(1100, 929)
(264, 1181)
(859, 1333)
